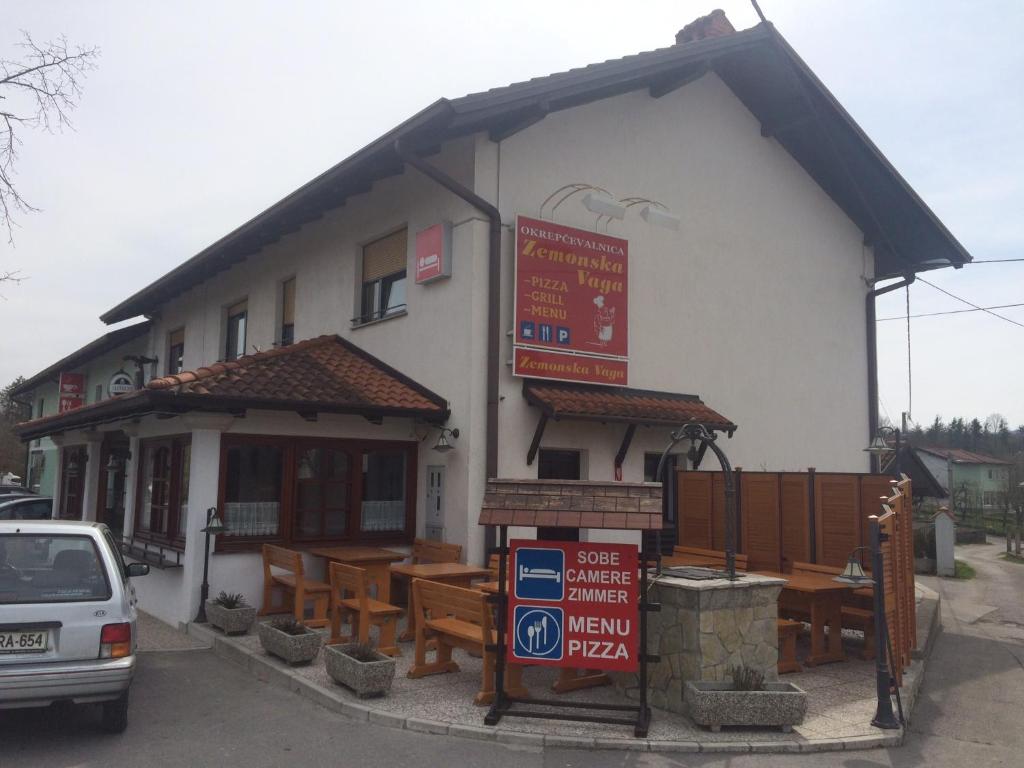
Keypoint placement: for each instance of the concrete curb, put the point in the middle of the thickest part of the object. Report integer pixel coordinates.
(261, 667)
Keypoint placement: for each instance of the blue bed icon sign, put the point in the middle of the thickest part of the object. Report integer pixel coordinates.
(540, 574)
(537, 632)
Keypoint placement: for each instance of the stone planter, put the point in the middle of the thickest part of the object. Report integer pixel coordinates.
(294, 649)
(230, 621)
(365, 678)
(716, 704)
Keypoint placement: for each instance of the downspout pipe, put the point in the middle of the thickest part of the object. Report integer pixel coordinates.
(493, 301)
(872, 337)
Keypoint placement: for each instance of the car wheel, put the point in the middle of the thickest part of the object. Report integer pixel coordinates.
(115, 714)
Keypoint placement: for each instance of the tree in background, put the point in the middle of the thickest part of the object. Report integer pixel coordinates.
(38, 90)
(13, 452)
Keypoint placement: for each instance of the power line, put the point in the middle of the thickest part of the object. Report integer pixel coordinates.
(951, 311)
(991, 261)
(970, 303)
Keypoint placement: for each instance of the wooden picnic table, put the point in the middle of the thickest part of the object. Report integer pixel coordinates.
(820, 596)
(374, 560)
(456, 574)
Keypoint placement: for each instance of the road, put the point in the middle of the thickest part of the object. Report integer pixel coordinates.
(193, 709)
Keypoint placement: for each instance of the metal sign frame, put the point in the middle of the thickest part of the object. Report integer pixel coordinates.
(510, 706)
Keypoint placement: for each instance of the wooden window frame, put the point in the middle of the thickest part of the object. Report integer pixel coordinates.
(286, 535)
(175, 445)
(231, 312)
(79, 481)
(176, 352)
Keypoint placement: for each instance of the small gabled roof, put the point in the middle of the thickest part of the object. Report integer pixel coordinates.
(621, 404)
(323, 375)
(79, 357)
(961, 456)
(760, 67)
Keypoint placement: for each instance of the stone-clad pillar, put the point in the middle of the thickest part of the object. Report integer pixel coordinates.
(703, 629)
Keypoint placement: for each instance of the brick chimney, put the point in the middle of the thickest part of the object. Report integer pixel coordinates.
(715, 24)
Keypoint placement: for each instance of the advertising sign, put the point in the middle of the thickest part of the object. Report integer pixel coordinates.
(571, 297)
(433, 253)
(574, 604)
(541, 364)
(72, 392)
(120, 383)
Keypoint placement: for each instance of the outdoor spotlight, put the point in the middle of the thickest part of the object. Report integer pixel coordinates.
(604, 205)
(442, 445)
(659, 217)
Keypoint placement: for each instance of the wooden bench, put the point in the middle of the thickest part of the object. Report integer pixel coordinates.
(293, 583)
(789, 631)
(428, 551)
(708, 558)
(350, 597)
(857, 611)
(458, 618)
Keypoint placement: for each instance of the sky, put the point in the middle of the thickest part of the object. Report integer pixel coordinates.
(202, 114)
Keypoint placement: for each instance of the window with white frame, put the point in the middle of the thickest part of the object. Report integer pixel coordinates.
(383, 279)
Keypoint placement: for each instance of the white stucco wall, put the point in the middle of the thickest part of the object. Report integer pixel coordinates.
(756, 303)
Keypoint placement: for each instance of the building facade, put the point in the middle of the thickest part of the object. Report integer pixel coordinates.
(304, 374)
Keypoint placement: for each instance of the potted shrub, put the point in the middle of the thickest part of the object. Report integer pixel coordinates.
(289, 640)
(360, 667)
(230, 613)
(745, 700)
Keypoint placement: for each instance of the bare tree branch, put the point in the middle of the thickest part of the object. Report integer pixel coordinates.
(37, 91)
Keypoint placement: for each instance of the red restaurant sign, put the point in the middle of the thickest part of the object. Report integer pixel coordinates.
(571, 300)
(574, 604)
(72, 392)
(433, 253)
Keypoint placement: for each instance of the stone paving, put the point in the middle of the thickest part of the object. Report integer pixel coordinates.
(841, 704)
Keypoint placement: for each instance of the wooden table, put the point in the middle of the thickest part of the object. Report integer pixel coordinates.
(374, 560)
(818, 595)
(456, 574)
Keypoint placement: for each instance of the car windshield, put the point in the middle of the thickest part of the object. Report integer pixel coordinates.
(50, 569)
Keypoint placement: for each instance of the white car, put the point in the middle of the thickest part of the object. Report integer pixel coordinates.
(67, 617)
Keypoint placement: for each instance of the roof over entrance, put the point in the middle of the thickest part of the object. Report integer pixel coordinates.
(323, 375)
(765, 73)
(621, 404)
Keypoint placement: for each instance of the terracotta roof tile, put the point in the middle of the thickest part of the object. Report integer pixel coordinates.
(326, 369)
(637, 406)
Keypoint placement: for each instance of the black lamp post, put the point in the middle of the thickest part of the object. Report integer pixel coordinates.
(698, 433)
(854, 574)
(213, 525)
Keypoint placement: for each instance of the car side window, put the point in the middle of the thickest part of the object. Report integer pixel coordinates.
(118, 558)
(37, 510)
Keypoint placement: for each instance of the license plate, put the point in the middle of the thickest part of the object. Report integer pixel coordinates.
(34, 641)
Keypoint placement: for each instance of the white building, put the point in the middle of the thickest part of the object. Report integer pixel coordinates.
(751, 289)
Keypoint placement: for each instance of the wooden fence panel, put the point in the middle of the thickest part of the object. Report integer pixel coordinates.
(874, 490)
(693, 490)
(795, 511)
(759, 510)
(837, 527)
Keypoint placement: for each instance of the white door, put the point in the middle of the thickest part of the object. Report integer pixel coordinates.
(435, 503)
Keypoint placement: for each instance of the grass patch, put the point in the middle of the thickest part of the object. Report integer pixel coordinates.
(962, 570)
(1012, 558)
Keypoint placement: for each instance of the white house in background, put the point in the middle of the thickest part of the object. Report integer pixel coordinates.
(308, 361)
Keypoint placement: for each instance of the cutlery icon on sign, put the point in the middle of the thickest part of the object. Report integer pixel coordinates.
(530, 632)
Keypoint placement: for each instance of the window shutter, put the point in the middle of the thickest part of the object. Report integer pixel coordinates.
(385, 256)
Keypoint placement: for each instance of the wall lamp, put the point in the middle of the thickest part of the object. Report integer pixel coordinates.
(654, 213)
(442, 445)
(597, 200)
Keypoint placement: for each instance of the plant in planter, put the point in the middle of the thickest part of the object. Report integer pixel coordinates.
(745, 700)
(360, 667)
(230, 613)
(290, 640)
